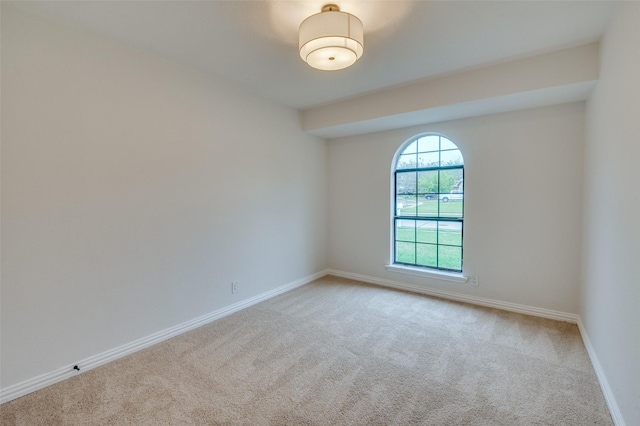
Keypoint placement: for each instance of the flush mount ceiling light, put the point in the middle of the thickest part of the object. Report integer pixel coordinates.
(331, 40)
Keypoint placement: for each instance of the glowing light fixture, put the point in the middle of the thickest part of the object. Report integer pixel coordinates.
(331, 40)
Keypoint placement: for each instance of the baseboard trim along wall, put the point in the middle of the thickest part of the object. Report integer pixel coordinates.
(614, 409)
(490, 303)
(31, 385)
(47, 379)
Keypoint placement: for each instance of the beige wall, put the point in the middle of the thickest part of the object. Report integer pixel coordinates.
(523, 184)
(610, 302)
(130, 187)
(134, 191)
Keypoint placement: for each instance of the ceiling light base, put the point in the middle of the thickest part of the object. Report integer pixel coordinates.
(331, 8)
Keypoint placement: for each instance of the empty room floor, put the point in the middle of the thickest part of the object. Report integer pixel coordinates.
(338, 351)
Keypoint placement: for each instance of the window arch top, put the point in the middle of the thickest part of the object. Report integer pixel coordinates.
(429, 151)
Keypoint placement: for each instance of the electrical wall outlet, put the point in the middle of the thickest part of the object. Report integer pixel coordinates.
(474, 280)
(234, 287)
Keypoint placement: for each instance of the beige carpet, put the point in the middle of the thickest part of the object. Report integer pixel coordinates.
(338, 352)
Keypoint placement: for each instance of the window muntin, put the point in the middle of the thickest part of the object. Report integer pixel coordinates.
(429, 204)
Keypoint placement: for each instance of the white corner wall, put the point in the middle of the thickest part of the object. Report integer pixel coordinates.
(610, 294)
(134, 191)
(523, 199)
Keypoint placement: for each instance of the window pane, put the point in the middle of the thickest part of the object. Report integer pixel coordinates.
(428, 205)
(406, 183)
(427, 255)
(429, 159)
(411, 149)
(451, 181)
(428, 183)
(451, 205)
(451, 158)
(450, 233)
(405, 252)
(450, 258)
(406, 205)
(429, 143)
(447, 144)
(405, 230)
(426, 231)
(407, 162)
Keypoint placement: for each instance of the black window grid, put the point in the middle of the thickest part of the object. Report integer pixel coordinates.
(437, 218)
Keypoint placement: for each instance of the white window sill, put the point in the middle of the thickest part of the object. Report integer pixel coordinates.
(429, 273)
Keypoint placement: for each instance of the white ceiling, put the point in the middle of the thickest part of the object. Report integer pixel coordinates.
(254, 43)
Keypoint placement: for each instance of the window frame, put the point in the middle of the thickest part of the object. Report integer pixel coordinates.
(416, 268)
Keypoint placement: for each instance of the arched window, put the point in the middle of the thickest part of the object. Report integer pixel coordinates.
(428, 203)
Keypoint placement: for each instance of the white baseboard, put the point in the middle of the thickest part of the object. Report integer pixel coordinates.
(47, 379)
(31, 385)
(474, 300)
(614, 409)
